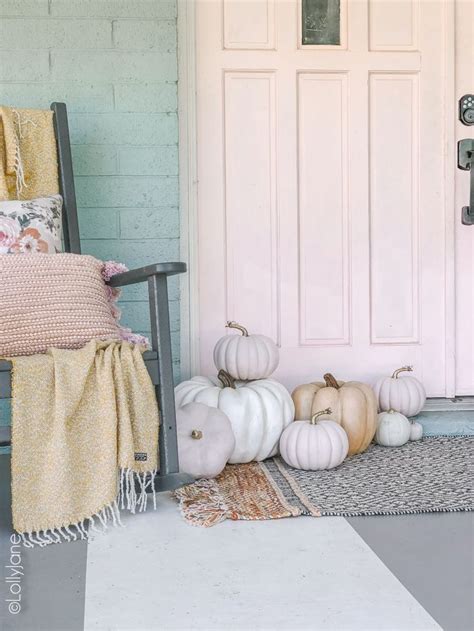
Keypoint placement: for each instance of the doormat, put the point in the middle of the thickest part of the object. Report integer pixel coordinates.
(434, 475)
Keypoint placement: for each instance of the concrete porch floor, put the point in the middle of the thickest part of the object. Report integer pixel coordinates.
(397, 573)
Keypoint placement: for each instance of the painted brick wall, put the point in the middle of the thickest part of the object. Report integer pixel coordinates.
(114, 63)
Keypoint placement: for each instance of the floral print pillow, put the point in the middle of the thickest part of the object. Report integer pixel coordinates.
(31, 226)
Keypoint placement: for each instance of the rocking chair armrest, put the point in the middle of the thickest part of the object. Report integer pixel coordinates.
(142, 274)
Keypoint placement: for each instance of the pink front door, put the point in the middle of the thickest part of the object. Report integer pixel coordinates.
(323, 198)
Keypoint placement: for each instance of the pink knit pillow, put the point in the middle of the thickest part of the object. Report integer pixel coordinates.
(58, 301)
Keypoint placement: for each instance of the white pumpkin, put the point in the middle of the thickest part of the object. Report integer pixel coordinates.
(205, 440)
(405, 395)
(393, 429)
(246, 357)
(416, 431)
(258, 411)
(313, 445)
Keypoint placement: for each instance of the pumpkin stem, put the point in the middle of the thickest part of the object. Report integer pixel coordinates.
(196, 433)
(402, 369)
(226, 380)
(315, 417)
(239, 327)
(331, 381)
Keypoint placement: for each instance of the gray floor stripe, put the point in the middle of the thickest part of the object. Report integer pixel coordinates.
(53, 587)
(432, 556)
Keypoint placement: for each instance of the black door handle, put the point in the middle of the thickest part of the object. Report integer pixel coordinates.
(466, 163)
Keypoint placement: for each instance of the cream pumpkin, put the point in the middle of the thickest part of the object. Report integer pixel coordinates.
(353, 405)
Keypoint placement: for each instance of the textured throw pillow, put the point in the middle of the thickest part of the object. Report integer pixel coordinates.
(31, 226)
(52, 301)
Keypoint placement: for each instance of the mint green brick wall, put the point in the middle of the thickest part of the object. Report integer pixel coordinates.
(114, 63)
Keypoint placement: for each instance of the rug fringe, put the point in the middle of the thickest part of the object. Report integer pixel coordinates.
(202, 504)
(109, 515)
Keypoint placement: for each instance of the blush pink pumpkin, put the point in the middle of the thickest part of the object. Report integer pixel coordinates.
(205, 440)
(314, 444)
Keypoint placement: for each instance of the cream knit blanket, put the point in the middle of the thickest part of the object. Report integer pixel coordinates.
(28, 157)
(84, 427)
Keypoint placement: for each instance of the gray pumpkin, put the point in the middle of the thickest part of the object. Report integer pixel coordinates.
(205, 440)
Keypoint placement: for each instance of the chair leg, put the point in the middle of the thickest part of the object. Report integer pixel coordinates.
(172, 481)
(169, 476)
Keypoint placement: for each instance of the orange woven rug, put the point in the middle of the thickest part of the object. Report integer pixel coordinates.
(432, 475)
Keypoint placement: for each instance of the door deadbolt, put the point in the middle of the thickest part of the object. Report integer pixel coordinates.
(466, 109)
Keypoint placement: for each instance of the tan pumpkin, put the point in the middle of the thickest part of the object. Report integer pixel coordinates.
(353, 404)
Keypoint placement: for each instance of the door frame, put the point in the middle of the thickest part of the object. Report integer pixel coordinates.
(188, 188)
(187, 108)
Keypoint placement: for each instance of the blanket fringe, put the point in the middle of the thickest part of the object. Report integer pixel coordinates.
(127, 498)
(18, 164)
(202, 503)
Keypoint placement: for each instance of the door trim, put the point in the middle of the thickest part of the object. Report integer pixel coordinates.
(188, 186)
(450, 196)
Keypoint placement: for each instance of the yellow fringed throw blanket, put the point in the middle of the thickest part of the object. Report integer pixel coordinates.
(84, 428)
(28, 157)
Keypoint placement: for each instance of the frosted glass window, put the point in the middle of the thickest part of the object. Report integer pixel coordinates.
(321, 22)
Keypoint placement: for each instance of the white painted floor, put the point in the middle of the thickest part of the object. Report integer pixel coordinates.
(301, 573)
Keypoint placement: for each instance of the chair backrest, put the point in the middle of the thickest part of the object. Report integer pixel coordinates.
(70, 223)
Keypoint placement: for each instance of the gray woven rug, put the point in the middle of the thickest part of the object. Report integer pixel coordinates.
(427, 476)
(431, 475)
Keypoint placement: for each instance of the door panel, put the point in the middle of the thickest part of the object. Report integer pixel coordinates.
(394, 25)
(321, 185)
(250, 200)
(323, 208)
(394, 173)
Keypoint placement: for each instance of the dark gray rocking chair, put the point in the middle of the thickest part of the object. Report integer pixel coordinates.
(158, 360)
